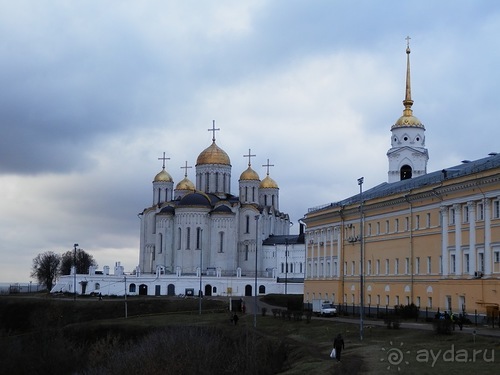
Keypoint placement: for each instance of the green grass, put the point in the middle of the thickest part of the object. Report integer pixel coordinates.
(307, 344)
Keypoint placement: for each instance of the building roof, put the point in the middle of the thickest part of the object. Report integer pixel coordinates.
(466, 168)
(291, 239)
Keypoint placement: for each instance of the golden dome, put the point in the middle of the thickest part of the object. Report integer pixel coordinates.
(185, 184)
(268, 182)
(163, 176)
(213, 155)
(249, 174)
(406, 121)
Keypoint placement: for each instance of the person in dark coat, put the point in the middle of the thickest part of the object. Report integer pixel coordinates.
(338, 344)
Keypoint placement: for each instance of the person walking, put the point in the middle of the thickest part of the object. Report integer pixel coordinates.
(338, 344)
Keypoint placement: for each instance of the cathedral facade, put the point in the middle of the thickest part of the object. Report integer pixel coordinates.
(203, 224)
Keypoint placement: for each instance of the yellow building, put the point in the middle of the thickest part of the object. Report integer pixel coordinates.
(432, 239)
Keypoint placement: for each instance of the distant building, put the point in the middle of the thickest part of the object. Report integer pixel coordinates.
(203, 231)
(431, 239)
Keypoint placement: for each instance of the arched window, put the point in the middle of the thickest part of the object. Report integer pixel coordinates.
(221, 242)
(198, 238)
(188, 238)
(405, 172)
(97, 286)
(179, 238)
(131, 288)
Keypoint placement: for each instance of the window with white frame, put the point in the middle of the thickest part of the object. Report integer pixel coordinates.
(480, 212)
(417, 222)
(428, 216)
(496, 209)
(452, 263)
(451, 216)
(407, 266)
(396, 225)
(369, 266)
(417, 265)
(396, 266)
(429, 265)
(377, 270)
(465, 216)
(496, 256)
(466, 263)
(387, 266)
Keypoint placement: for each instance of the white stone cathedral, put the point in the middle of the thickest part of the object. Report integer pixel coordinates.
(203, 238)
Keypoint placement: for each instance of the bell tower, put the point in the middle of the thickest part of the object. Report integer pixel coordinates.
(407, 156)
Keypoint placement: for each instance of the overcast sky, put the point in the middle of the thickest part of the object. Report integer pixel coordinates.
(93, 92)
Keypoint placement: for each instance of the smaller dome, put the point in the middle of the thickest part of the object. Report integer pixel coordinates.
(185, 184)
(249, 174)
(167, 210)
(163, 176)
(195, 199)
(213, 154)
(222, 209)
(268, 183)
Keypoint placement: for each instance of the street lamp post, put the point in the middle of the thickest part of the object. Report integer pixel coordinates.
(361, 268)
(286, 264)
(201, 264)
(255, 292)
(74, 271)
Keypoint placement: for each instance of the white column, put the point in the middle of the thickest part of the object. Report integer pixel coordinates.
(339, 251)
(487, 237)
(458, 239)
(444, 240)
(472, 237)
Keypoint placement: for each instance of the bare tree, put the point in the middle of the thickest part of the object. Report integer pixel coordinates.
(83, 261)
(45, 268)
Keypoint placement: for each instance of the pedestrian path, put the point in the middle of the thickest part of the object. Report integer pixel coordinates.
(481, 330)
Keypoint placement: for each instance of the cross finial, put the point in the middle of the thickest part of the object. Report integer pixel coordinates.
(213, 130)
(186, 169)
(268, 165)
(407, 41)
(164, 158)
(249, 156)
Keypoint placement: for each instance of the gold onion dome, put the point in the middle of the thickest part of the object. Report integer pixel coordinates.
(268, 183)
(213, 155)
(185, 184)
(249, 174)
(163, 176)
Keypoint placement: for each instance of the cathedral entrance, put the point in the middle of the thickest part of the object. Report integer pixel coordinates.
(143, 290)
(248, 290)
(208, 290)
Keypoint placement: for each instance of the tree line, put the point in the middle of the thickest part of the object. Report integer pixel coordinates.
(48, 266)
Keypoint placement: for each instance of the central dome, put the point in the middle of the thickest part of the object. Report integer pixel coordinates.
(213, 155)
